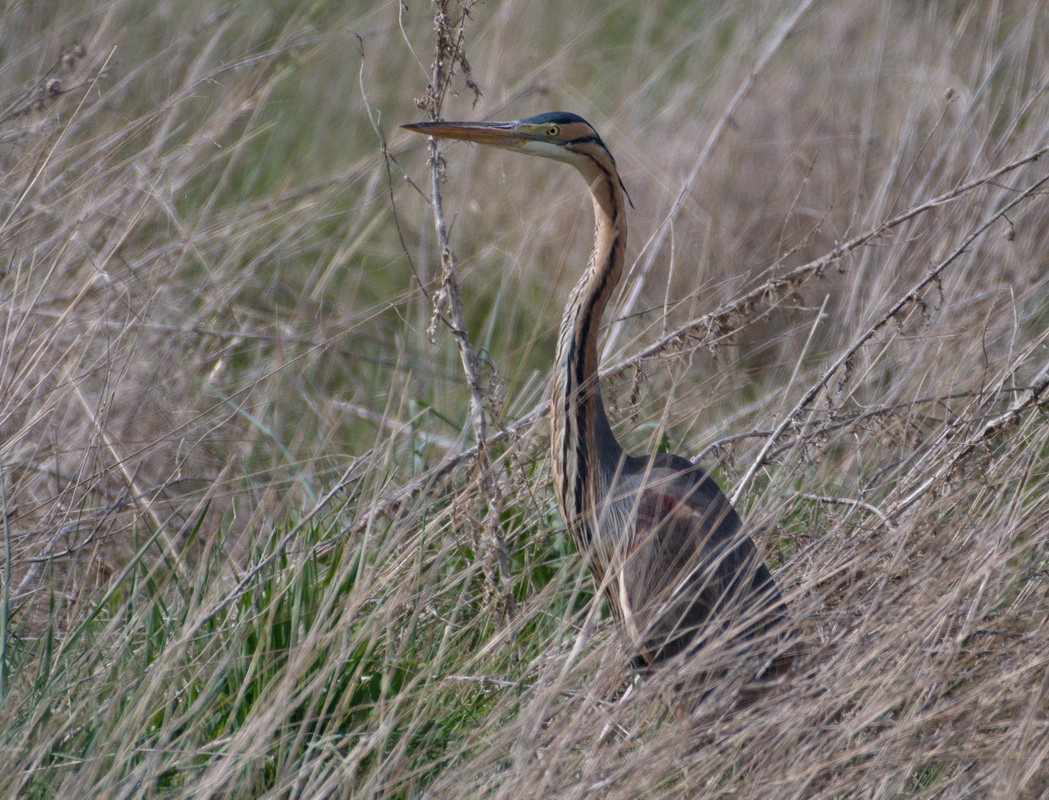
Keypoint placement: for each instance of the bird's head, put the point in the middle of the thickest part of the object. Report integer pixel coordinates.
(557, 135)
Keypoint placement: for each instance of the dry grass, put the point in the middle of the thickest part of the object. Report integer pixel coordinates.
(244, 552)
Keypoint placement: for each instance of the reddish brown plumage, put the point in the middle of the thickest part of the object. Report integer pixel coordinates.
(663, 542)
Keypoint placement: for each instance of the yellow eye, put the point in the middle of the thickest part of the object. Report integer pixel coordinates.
(553, 131)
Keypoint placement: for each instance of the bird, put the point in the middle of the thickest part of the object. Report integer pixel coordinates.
(663, 543)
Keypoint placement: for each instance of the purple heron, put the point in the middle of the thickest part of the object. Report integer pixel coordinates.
(662, 541)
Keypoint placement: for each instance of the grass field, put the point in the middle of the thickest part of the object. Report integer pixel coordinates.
(250, 546)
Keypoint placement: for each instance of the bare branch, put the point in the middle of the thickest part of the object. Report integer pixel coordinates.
(449, 53)
(710, 327)
(907, 299)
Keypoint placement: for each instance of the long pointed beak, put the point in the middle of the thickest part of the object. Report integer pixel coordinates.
(500, 134)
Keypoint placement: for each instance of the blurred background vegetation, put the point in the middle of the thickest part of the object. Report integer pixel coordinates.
(241, 554)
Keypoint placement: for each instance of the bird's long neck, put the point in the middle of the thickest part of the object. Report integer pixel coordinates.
(580, 433)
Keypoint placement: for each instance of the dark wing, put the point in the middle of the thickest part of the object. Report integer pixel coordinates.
(691, 574)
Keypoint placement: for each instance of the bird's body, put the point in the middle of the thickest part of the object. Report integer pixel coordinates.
(662, 541)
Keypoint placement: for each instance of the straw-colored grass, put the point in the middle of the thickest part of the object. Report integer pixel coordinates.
(249, 550)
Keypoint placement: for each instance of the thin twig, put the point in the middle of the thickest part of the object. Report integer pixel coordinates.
(1034, 395)
(849, 501)
(708, 327)
(846, 358)
(449, 53)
